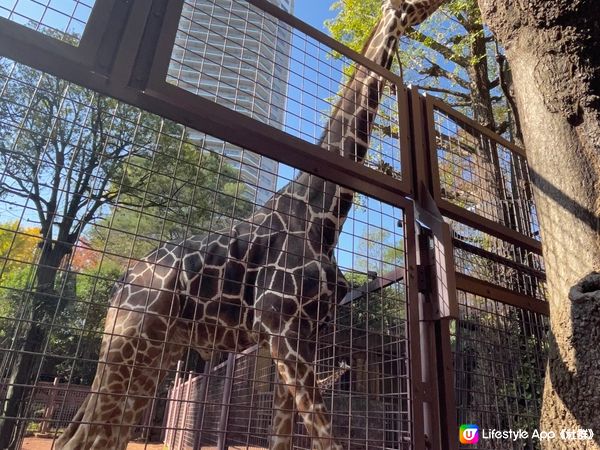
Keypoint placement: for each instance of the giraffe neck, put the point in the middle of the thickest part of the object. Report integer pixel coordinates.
(349, 126)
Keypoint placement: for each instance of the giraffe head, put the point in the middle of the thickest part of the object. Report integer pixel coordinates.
(407, 13)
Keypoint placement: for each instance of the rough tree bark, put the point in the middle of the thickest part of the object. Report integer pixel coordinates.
(554, 54)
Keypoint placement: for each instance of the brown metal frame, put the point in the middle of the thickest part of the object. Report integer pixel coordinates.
(157, 96)
(437, 378)
(125, 52)
(456, 212)
(491, 291)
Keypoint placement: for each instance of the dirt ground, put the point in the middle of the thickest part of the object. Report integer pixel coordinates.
(35, 443)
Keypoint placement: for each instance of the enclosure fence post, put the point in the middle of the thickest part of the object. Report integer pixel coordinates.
(49, 410)
(176, 405)
(222, 441)
(202, 390)
(437, 286)
(186, 407)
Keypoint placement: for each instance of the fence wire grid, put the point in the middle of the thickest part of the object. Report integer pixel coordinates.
(150, 184)
(61, 19)
(91, 187)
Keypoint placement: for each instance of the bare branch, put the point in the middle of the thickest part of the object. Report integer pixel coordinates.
(436, 71)
(439, 48)
(6, 189)
(444, 91)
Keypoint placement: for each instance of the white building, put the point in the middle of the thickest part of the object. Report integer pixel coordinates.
(238, 56)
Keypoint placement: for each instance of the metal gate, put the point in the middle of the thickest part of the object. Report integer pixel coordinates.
(116, 136)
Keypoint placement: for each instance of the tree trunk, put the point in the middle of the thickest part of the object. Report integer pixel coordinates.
(28, 349)
(492, 192)
(554, 54)
(481, 100)
(18, 387)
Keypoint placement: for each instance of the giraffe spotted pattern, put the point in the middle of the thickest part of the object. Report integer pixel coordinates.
(270, 280)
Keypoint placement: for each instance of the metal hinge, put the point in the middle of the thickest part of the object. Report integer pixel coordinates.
(424, 278)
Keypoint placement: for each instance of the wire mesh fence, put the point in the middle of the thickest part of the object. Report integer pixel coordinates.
(141, 261)
(488, 258)
(62, 19)
(499, 363)
(123, 182)
(482, 173)
(240, 56)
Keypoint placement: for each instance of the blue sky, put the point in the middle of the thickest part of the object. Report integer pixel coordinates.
(313, 12)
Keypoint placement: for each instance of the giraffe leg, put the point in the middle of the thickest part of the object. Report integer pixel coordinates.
(133, 360)
(284, 418)
(72, 428)
(293, 358)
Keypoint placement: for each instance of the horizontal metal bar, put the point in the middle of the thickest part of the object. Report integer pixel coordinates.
(438, 104)
(193, 111)
(325, 39)
(158, 75)
(234, 127)
(489, 226)
(503, 295)
(497, 258)
(375, 285)
(14, 36)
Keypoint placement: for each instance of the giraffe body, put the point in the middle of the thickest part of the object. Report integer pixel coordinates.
(270, 280)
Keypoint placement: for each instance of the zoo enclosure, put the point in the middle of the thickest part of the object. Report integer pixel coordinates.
(473, 321)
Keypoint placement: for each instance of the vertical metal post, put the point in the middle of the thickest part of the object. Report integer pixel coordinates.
(164, 432)
(202, 390)
(186, 406)
(428, 342)
(222, 441)
(177, 406)
(49, 410)
(436, 287)
(448, 410)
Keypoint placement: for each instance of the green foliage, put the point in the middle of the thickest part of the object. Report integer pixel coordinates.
(77, 332)
(17, 246)
(14, 285)
(490, 340)
(382, 311)
(179, 191)
(379, 252)
(438, 56)
(354, 22)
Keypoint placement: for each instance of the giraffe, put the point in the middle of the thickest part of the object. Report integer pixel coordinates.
(329, 381)
(270, 280)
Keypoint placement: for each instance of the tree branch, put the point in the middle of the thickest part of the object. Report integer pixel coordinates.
(439, 48)
(6, 189)
(444, 91)
(436, 71)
